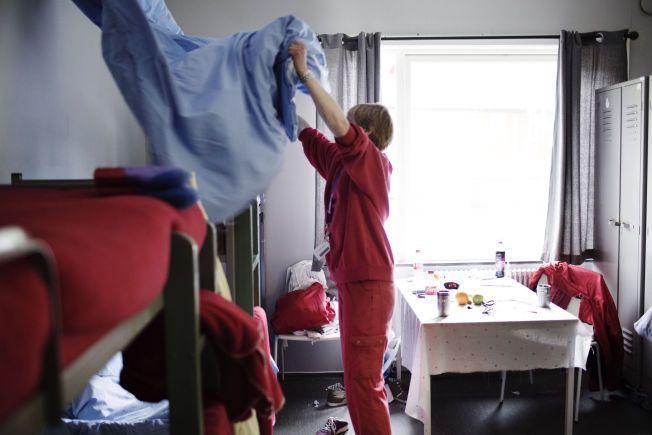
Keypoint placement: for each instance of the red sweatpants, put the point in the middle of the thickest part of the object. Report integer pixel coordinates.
(365, 310)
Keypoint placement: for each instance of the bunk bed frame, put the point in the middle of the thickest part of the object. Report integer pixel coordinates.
(244, 256)
(188, 269)
(44, 407)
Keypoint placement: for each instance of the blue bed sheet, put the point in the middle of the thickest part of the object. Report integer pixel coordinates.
(220, 107)
(104, 407)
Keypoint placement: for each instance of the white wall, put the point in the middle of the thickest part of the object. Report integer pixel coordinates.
(61, 115)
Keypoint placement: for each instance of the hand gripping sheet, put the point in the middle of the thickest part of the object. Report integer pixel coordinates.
(220, 107)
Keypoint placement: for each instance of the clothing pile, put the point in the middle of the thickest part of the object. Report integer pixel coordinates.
(219, 107)
(305, 309)
(300, 276)
(246, 378)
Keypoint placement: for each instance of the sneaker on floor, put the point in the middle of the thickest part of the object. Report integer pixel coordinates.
(336, 395)
(400, 394)
(333, 426)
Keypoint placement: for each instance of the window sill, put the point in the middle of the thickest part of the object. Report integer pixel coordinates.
(469, 263)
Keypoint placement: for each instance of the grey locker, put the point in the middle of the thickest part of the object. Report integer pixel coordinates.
(620, 206)
(632, 238)
(607, 172)
(646, 366)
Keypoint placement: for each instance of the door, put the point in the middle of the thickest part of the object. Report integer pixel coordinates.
(607, 191)
(630, 271)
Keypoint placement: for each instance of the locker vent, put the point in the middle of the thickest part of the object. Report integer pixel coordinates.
(631, 118)
(628, 338)
(606, 119)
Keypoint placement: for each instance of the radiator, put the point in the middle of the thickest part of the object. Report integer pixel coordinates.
(523, 275)
(520, 273)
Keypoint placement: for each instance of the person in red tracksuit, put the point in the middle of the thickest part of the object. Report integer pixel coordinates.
(360, 259)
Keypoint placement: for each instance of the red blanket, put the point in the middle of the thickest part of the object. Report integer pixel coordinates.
(246, 378)
(597, 308)
(112, 255)
(266, 424)
(24, 328)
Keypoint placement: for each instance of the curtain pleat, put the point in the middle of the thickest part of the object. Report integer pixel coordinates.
(354, 75)
(585, 65)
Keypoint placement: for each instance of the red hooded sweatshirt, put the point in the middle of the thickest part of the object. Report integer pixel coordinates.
(357, 188)
(597, 308)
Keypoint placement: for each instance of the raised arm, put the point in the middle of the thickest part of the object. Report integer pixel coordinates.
(326, 106)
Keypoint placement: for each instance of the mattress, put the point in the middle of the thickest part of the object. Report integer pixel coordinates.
(111, 254)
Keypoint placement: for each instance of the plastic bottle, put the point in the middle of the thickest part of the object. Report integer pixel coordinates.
(417, 269)
(500, 260)
(431, 283)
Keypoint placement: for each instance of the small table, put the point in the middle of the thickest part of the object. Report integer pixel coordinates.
(286, 338)
(516, 335)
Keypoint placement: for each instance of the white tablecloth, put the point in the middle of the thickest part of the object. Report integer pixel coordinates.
(517, 335)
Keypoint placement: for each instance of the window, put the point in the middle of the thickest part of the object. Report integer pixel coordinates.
(472, 147)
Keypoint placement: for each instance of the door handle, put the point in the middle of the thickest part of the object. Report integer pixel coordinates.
(614, 222)
(626, 225)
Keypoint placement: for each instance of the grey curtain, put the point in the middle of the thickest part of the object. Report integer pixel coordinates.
(586, 63)
(354, 75)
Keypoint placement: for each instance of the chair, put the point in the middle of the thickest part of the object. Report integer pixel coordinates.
(574, 309)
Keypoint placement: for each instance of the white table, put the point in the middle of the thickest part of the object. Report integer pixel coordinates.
(517, 335)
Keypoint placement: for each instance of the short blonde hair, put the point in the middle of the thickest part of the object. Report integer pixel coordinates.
(375, 119)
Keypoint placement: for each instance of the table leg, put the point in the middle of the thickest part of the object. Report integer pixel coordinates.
(284, 344)
(276, 350)
(568, 416)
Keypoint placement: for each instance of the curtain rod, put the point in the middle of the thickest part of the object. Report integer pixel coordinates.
(633, 35)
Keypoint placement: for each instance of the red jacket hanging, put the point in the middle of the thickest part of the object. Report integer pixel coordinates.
(597, 308)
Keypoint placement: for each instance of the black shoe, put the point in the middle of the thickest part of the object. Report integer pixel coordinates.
(333, 426)
(400, 394)
(336, 395)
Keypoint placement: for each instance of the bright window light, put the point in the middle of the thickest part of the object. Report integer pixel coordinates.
(472, 147)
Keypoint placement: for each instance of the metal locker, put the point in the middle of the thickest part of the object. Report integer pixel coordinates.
(646, 366)
(620, 207)
(632, 225)
(607, 193)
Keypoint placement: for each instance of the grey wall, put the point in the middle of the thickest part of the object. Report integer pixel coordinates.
(60, 113)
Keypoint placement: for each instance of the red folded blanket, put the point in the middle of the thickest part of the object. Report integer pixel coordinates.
(246, 378)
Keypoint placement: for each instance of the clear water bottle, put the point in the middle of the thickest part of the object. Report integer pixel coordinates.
(500, 260)
(417, 269)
